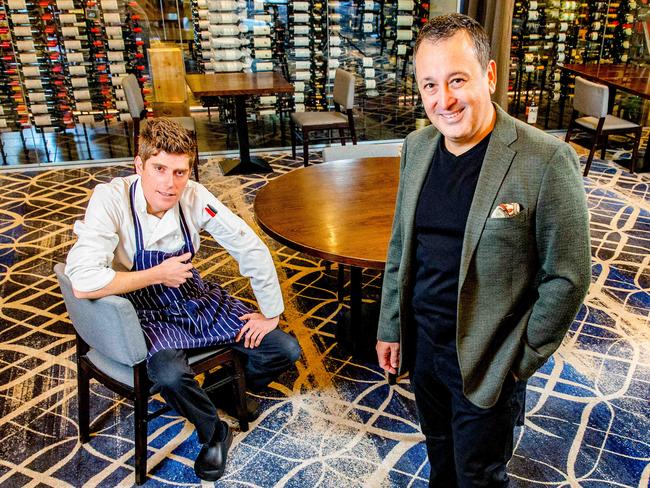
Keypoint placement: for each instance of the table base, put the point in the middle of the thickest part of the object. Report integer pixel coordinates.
(359, 337)
(235, 166)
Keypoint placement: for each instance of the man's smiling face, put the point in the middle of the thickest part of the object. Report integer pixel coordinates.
(455, 90)
(163, 179)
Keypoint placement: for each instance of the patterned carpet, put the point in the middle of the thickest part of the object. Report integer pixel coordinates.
(335, 422)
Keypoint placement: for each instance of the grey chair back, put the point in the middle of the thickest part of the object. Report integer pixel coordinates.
(335, 153)
(344, 89)
(133, 95)
(590, 98)
(110, 324)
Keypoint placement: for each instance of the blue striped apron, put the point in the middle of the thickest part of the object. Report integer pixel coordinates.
(196, 314)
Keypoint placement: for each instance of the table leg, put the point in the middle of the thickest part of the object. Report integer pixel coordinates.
(245, 164)
(357, 329)
(356, 311)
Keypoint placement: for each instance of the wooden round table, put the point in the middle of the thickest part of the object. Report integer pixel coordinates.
(341, 211)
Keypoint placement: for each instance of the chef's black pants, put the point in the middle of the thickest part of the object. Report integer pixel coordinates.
(174, 379)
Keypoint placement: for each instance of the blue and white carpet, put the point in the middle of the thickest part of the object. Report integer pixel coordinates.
(335, 422)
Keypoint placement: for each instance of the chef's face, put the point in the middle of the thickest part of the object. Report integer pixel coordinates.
(163, 179)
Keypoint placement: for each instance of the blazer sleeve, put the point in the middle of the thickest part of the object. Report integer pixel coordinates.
(562, 239)
(388, 329)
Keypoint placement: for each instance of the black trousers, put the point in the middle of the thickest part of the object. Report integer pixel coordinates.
(467, 446)
(172, 376)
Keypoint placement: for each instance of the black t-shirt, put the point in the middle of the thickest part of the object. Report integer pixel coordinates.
(440, 220)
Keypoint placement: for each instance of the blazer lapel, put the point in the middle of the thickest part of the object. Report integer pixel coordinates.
(415, 173)
(496, 164)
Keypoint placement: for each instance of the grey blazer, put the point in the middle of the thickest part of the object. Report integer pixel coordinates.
(522, 279)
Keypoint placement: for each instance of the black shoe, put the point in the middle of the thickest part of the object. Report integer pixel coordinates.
(211, 461)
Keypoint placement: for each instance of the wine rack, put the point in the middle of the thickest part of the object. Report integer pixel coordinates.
(547, 34)
(201, 46)
(66, 59)
(13, 108)
(404, 26)
(264, 47)
(131, 49)
(308, 51)
(227, 45)
(35, 39)
(368, 72)
(336, 50)
(640, 39)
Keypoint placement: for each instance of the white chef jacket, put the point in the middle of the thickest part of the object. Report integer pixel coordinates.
(106, 238)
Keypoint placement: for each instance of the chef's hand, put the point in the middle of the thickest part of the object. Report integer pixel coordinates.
(388, 356)
(255, 328)
(174, 271)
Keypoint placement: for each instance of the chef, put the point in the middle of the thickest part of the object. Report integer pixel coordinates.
(138, 238)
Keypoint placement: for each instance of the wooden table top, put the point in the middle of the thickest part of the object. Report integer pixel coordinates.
(632, 79)
(341, 211)
(232, 84)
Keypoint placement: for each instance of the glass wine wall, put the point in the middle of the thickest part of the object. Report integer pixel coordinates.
(305, 40)
(547, 34)
(62, 61)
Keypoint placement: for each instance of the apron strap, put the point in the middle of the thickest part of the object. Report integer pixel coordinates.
(136, 222)
(186, 232)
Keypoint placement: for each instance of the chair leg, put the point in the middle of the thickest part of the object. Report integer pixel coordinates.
(567, 137)
(603, 151)
(305, 147)
(597, 136)
(353, 131)
(589, 159)
(83, 403)
(342, 136)
(292, 128)
(635, 150)
(239, 386)
(141, 387)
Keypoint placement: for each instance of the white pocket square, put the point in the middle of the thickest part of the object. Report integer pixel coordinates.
(506, 211)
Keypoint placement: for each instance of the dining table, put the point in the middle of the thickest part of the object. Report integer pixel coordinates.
(340, 211)
(240, 86)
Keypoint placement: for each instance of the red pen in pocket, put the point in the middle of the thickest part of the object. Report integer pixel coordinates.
(212, 212)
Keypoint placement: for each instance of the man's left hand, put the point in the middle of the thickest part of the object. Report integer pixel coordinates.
(255, 328)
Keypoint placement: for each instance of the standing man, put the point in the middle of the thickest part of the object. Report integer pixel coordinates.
(137, 239)
(488, 261)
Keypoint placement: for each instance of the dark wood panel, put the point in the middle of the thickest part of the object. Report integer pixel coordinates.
(233, 84)
(632, 79)
(341, 211)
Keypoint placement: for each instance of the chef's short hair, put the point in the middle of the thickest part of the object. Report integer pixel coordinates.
(161, 134)
(444, 27)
